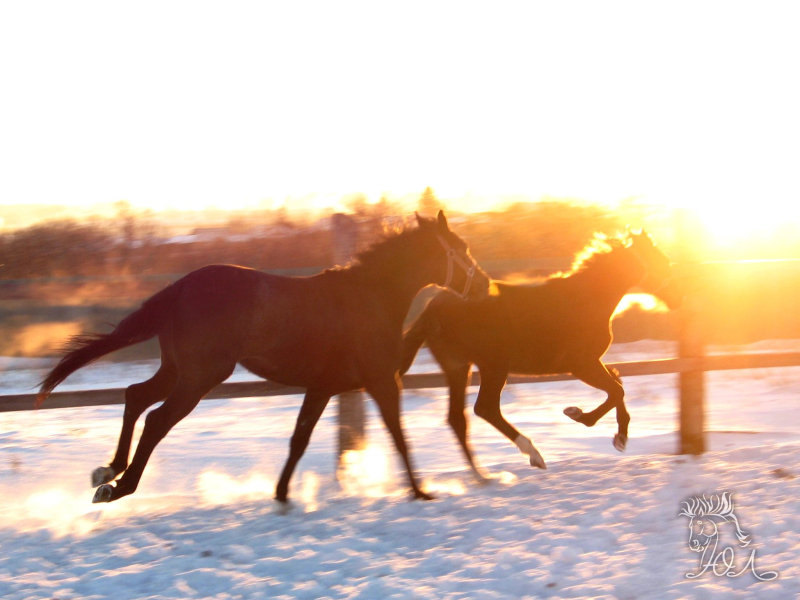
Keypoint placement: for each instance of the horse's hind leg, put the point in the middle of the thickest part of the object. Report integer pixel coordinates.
(180, 402)
(598, 376)
(138, 398)
(458, 378)
(314, 404)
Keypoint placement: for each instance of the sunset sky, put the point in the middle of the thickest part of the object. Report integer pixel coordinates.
(261, 104)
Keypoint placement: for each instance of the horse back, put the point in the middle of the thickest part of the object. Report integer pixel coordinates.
(322, 331)
(551, 328)
(536, 329)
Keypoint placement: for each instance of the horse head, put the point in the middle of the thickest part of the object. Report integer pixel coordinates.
(455, 268)
(657, 278)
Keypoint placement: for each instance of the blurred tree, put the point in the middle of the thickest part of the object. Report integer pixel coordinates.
(357, 205)
(545, 229)
(57, 248)
(127, 224)
(429, 204)
(280, 216)
(386, 208)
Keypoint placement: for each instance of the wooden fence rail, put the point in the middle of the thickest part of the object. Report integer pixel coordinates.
(245, 389)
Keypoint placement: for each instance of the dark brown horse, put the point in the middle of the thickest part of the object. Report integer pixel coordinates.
(561, 325)
(336, 331)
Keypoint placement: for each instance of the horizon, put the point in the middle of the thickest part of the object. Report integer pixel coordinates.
(757, 234)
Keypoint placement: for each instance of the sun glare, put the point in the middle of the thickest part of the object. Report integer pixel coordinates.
(221, 488)
(645, 302)
(365, 472)
(734, 224)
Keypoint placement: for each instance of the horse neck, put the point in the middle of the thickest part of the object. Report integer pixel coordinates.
(396, 282)
(609, 278)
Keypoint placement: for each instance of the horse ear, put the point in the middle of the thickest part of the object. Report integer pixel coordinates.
(442, 220)
(645, 238)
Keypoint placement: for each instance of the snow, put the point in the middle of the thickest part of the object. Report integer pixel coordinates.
(596, 523)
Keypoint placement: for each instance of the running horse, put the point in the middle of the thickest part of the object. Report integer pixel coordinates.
(560, 325)
(332, 332)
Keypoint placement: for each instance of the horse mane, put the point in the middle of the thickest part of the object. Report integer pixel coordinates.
(389, 249)
(598, 249)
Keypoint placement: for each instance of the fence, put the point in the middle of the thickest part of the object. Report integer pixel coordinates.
(415, 381)
(691, 435)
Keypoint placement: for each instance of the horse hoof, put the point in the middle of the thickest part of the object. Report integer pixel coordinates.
(102, 475)
(536, 460)
(420, 495)
(103, 494)
(620, 442)
(574, 413)
(482, 478)
(526, 447)
(283, 507)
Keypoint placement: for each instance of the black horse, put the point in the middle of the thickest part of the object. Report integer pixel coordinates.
(336, 331)
(561, 325)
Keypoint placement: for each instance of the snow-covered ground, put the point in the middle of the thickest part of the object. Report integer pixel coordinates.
(595, 524)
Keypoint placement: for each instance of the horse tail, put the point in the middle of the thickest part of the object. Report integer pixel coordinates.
(413, 339)
(142, 324)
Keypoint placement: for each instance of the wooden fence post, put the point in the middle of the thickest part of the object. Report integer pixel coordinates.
(351, 404)
(692, 382)
(691, 343)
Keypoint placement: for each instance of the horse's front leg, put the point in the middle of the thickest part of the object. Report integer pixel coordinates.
(487, 406)
(598, 376)
(458, 379)
(386, 393)
(314, 404)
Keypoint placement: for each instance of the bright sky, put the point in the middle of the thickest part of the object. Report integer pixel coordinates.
(249, 104)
